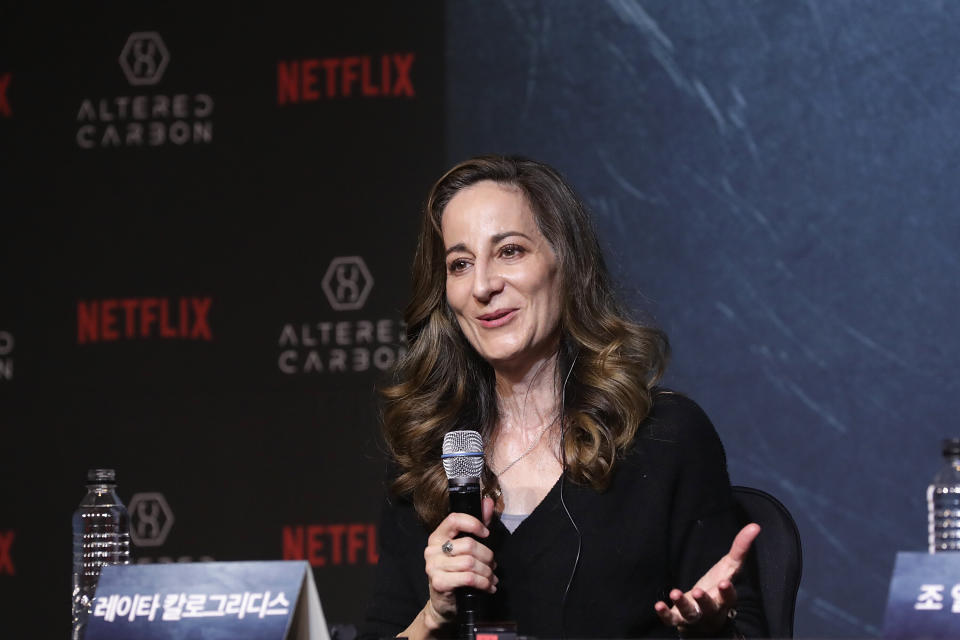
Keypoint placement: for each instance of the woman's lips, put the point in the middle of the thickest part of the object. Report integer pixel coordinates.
(497, 318)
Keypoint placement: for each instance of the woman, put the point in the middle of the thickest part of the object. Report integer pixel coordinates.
(604, 494)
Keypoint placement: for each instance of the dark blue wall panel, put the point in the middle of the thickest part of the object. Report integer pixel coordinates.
(776, 182)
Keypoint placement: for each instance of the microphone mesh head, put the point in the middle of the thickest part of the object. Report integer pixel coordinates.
(462, 454)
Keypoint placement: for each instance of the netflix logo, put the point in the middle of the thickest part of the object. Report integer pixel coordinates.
(143, 318)
(5, 110)
(312, 79)
(331, 544)
(6, 553)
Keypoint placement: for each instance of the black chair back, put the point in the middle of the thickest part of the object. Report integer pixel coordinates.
(779, 557)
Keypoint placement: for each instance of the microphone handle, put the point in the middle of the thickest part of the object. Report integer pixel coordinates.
(465, 498)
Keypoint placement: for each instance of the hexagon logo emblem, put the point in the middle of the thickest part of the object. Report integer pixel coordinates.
(144, 58)
(151, 519)
(6, 343)
(347, 283)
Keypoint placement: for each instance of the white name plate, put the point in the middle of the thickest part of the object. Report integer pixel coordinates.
(924, 600)
(207, 600)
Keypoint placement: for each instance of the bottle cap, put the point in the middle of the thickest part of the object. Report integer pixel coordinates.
(110, 476)
(951, 447)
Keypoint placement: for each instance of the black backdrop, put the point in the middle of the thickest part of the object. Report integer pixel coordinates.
(207, 219)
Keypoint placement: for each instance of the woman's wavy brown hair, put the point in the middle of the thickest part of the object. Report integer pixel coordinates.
(441, 383)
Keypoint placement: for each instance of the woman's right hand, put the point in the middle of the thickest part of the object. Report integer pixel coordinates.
(469, 564)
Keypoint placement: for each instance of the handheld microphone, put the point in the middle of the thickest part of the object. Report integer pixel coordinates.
(463, 462)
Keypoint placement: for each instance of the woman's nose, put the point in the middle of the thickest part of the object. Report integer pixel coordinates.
(487, 281)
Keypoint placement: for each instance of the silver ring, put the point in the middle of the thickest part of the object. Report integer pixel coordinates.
(447, 548)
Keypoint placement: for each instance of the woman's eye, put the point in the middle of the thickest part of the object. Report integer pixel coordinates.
(511, 251)
(457, 266)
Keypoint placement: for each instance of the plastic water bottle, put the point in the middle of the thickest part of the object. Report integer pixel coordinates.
(943, 502)
(101, 536)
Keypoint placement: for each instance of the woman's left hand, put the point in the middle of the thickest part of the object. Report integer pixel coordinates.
(704, 609)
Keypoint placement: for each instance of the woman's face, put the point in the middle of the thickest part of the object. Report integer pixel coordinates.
(503, 280)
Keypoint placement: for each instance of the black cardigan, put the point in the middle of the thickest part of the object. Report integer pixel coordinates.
(666, 518)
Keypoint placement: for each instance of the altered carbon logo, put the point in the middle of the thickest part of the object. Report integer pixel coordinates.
(151, 520)
(5, 110)
(149, 119)
(6, 355)
(342, 345)
(364, 77)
